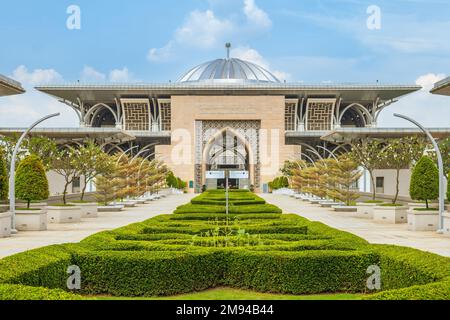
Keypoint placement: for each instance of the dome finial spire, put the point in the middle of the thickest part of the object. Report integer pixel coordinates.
(228, 46)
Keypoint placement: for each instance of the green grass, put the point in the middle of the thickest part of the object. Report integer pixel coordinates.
(238, 294)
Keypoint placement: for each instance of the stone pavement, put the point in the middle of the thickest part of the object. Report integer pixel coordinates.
(75, 232)
(368, 229)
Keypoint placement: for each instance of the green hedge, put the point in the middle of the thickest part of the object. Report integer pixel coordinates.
(19, 292)
(271, 252)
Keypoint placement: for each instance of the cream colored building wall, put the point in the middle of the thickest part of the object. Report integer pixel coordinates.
(56, 184)
(180, 156)
(390, 181)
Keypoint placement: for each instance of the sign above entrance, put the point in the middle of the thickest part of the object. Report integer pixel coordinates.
(215, 174)
(239, 175)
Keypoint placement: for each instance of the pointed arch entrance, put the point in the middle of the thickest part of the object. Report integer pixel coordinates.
(227, 145)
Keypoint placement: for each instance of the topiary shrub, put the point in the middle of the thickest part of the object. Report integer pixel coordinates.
(424, 181)
(3, 178)
(31, 181)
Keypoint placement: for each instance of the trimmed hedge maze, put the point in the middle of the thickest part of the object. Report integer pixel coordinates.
(198, 248)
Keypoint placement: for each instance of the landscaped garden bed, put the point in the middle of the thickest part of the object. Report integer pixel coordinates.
(193, 251)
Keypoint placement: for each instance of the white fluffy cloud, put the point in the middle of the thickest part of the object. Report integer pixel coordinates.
(89, 74)
(252, 55)
(255, 15)
(35, 77)
(22, 110)
(429, 109)
(205, 30)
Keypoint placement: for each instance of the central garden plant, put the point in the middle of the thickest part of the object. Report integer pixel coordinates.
(200, 247)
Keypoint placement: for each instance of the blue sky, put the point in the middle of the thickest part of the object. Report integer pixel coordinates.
(310, 41)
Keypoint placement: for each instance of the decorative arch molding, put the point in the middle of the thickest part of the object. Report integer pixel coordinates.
(362, 110)
(94, 110)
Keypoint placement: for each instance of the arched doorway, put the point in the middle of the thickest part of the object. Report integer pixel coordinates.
(228, 152)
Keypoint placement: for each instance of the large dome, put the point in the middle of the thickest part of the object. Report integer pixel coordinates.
(228, 71)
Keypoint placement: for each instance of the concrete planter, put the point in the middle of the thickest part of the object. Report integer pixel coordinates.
(423, 220)
(38, 205)
(110, 208)
(5, 224)
(31, 220)
(413, 205)
(365, 210)
(88, 209)
(127, 204)
(447, 207)
(63, 214)
(390, 214)
(447, 224)
(329, 204)
(342, 208)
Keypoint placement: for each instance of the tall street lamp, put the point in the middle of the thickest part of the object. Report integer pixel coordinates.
(440, 165)
(12, 171)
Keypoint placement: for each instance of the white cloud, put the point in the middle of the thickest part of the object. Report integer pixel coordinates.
(89, 74)
(256, 15)
(120, 75)
(22, 110)
(429, 109)
(36, 77)
(252, 55)
(205, 30)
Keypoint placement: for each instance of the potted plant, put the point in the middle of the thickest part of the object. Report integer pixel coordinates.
(63, 163)
(31, 185)
(425, 187)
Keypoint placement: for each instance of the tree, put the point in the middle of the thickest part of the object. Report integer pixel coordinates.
(63, 163)
(3, 177)
(171, 180)
(91, 161)
(366, 153)
(401, 154)
(344, 175)
(424, 181)
(444, 146)
(31, 181)
(106, 185)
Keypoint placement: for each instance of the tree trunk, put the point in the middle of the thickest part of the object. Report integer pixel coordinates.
(374, 186)
(83, 191)
(65, 192)
(397, 188)
(426, 203)
(28, 204)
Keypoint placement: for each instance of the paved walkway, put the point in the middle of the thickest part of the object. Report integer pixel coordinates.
(75, 232)
(365, 228)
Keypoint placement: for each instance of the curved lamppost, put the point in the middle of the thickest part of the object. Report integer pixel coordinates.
(125, 152)
(330, 152)
(440, 165)
(12, 171)
(142, 151)
(309, 158)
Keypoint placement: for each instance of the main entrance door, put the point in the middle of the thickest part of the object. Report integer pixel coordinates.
(230, 146)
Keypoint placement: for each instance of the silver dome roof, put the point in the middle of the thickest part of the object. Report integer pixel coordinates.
(228, 70)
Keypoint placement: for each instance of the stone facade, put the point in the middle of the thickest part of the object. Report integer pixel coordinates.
(187, 111)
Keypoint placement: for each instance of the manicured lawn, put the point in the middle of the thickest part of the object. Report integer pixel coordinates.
(237, 294)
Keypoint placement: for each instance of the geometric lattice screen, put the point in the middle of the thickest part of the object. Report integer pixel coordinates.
(136, 114)
(319, 115)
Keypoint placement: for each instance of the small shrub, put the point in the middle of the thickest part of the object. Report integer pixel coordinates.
(424, 181)
(31, 180)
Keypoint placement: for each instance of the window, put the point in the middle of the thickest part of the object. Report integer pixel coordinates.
(380, 182)
(76, 185)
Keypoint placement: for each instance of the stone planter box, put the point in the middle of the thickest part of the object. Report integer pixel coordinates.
(31, 220)
(341, 208)
(88, 209)
(365, 210)
(111, 208)
(127, 204)
(423, 220)
(5, 224)
(447, 224)
(39, 205)
(63, 214)
(389, 214)
(329, 204)
(413, 205)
